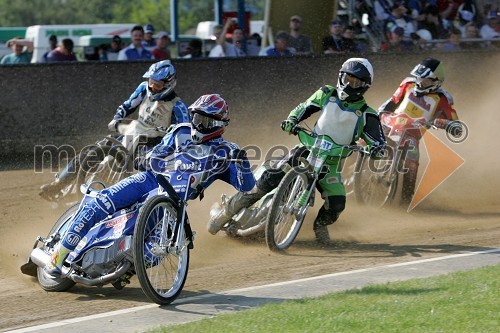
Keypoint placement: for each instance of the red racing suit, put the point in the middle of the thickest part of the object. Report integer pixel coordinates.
(435, 107)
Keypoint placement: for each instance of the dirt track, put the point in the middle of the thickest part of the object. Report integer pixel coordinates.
(463, 214)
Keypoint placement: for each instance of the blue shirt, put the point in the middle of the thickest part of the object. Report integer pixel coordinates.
(275, 53)
(132, 53)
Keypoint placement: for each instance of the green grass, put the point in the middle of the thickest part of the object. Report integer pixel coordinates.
(466, 302)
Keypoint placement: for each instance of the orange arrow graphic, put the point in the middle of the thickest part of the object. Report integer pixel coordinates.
(443, 162)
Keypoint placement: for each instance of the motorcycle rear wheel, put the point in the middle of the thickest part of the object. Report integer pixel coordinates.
(283, 221)
(49, 282)
(161, 271)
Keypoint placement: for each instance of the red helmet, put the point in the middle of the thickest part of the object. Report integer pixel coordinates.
(209, 117)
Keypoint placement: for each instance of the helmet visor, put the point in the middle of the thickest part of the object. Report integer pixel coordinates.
(158, 86)
(352, 81)
(203, 123)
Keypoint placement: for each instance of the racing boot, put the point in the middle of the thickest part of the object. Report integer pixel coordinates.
(322, 235)
(230, 206)
(57, 259)
(320, 227)
(51, 191)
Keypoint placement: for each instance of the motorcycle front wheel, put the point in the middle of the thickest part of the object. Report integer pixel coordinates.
(286, 216)
(375, 181)
(161, 264)
(105, 164)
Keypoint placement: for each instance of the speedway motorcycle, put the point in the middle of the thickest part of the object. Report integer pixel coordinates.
(151, 239)
(280, 213)
(376, 181)
(110, 159)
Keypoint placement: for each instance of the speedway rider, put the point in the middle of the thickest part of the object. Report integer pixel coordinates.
(158, 106)
(345, 117)
(209, 118)
(421, 96)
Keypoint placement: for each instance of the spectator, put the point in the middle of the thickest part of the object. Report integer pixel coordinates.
(396, 43)
(448, 11)
(399, 17)
(490, 30)
(301, 43)
(224, 48)
(382, 8)
(253, 44)
(453, 43)
(466, 13)
(19, 55)
(135, 51)
(52, 45)
(472, 32)
(149, 42)
(433, 22)
(280, 48)
(348, 43)
(423, 39)
(333, 42)
(194, 49)
(161, 51)
(64, 52)
(111, 54)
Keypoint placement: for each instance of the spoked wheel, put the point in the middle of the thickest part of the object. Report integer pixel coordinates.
(348, 170)
(161, 264)
(375, 181)
(286, 215)
(105, 164)
(49, 282)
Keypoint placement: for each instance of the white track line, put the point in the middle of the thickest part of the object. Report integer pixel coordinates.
(237, 291)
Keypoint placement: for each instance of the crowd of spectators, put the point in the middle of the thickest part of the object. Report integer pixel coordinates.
(402, 26)
(445, 25)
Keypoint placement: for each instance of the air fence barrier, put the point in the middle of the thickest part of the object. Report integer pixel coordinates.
(70, 104)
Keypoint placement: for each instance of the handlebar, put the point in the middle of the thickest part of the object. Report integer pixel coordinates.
(297, 128)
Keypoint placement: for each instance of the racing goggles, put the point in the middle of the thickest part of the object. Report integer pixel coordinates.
(158, 85)
(204, 123)
(426, 81)
(352, 81)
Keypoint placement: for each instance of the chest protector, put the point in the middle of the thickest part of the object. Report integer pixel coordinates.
(339, 123)
(417, 107)
(156, 113)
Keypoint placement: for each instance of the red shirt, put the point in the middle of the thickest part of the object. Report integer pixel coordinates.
(160, 54)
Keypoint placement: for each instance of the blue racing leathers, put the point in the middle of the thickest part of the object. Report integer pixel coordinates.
(131, 189)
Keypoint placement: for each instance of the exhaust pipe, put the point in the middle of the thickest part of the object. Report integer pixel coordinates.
(41, 258)
(102, 279)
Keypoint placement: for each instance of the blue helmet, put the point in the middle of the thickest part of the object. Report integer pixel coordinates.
(162, 79)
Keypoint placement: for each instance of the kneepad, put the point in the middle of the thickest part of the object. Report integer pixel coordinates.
(334, 204)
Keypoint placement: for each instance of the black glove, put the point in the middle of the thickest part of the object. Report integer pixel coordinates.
(238, 154)
(377, 150)
(455, 128)
(288, 124)
(140, 163)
